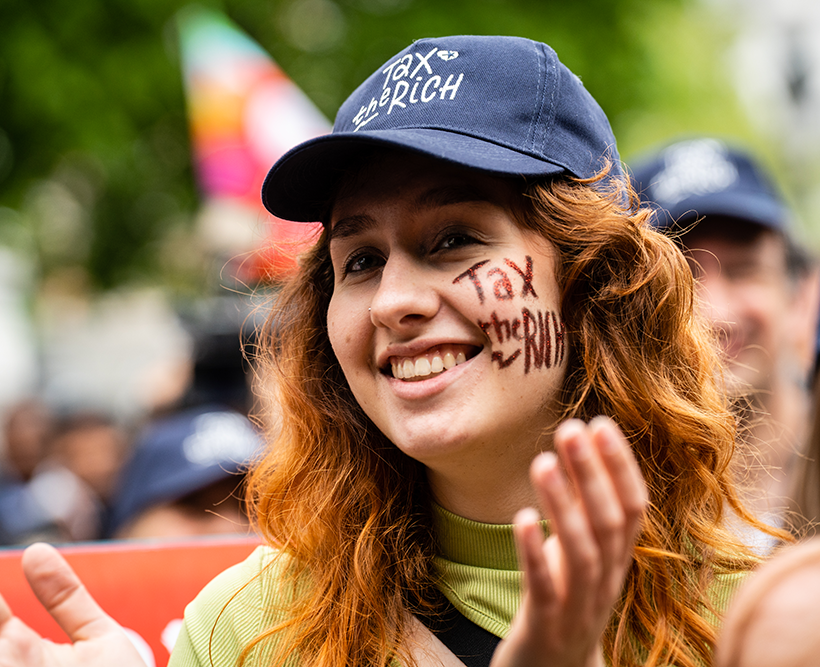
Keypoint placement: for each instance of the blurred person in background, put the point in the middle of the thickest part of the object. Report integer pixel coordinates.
(93, 447)
(759, 289)
(186, 476)
(40, 498)
(27, 429)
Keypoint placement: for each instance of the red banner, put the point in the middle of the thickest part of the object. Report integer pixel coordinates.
(145, 586)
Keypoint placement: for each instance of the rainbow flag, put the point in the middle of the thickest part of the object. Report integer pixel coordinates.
(244, 113)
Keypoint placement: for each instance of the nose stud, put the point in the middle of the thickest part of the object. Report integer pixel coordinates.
(368, 310)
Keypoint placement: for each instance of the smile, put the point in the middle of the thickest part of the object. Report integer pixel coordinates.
(434, 361)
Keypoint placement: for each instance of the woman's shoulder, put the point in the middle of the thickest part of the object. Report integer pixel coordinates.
(230, 611)
(724, 586)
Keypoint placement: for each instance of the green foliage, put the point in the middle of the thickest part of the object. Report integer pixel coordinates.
(94, 152)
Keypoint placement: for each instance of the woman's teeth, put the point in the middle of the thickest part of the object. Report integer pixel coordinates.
(423, 367)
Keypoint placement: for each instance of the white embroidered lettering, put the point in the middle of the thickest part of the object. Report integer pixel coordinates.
(448, 55)
(424, 96)
(366, 114)
(404, 67)
(365, 122)
(398, 96)
(385, 97)
(454, 87)
(358, 117)
(413, 98)
(423, 63)
(387, 70)
(696, 167)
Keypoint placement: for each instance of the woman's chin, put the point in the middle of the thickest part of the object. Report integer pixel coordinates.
(429, 445)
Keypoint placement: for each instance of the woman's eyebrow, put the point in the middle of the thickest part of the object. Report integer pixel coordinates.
(447, 195)
(351, 225)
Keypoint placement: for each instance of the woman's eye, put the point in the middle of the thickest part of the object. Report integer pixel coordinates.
(453, 241)
(362, 262)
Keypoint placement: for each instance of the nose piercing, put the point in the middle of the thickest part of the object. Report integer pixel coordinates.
(368, 310)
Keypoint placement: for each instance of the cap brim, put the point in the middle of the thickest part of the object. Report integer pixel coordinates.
(299, 186)
(757, 208)
(169, 487)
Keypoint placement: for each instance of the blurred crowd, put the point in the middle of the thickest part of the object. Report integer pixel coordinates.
(71, 473)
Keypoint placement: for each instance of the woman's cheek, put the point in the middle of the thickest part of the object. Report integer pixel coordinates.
(340, 334)
(525, 333)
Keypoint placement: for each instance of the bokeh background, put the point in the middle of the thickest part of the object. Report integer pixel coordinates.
(105, 258)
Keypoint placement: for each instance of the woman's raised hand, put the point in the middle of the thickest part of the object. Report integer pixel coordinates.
(574, 577)
(96, 638)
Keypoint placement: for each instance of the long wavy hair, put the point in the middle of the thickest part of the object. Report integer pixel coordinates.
(804, 498)
(351, 515)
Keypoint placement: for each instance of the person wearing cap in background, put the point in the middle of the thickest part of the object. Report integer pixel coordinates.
(483, 310)
(756, 285)
(185, 476)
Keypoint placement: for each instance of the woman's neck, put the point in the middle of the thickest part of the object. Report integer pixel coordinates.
(488, 493)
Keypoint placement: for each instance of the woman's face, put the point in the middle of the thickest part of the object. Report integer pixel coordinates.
(444, 315)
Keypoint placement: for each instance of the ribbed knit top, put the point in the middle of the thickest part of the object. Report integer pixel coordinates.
(477, 565)
(479, 570)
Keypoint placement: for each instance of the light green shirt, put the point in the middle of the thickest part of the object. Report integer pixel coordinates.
(479, 575)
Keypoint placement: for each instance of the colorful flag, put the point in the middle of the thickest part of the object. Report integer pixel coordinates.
(244, 113)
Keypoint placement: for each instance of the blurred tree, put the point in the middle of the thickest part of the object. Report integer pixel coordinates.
(95, 171)
(94, 116)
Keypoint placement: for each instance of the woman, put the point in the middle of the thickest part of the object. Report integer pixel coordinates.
(483, 289)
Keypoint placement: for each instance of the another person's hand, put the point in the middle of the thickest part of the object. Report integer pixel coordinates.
(574, 577)
(96, 638)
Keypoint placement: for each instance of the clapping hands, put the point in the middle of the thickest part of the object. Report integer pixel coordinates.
(574, 577)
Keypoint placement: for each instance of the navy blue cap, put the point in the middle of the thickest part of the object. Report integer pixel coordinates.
(181, 454)
(705, 177)
(505, 105)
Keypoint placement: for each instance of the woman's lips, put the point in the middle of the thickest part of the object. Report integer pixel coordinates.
(434, 361)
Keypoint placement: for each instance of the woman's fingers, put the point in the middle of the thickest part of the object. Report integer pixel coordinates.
(597, 524)
(529, 538)
(573, 578)
(17, 641)
(97, 640)
(63, 595)
(594, 488)
(624, 472)
(574, 562)
(20, 646)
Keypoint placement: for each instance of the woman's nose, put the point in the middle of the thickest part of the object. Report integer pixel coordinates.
(407, 294)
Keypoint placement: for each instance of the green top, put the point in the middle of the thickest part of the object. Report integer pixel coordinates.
(479, 575)
(479, 570)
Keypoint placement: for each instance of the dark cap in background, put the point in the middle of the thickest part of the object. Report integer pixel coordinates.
(180, 454)
(704, 176)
